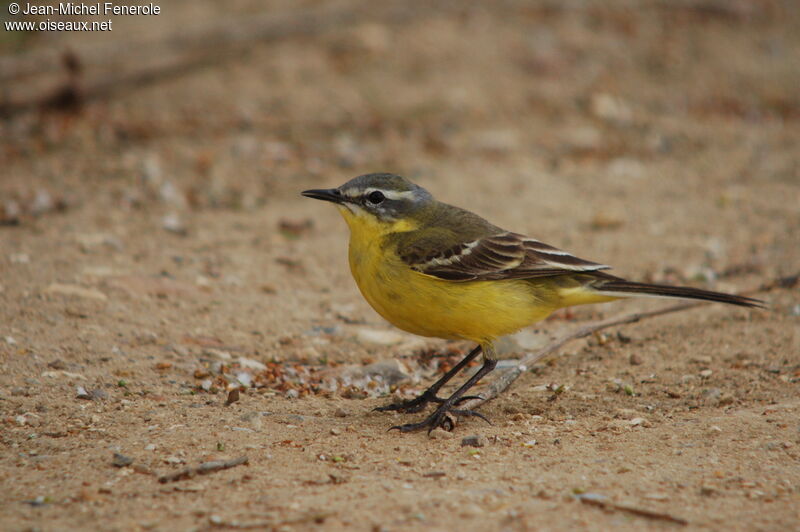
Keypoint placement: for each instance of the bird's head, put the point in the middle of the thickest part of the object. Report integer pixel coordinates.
(377, 202)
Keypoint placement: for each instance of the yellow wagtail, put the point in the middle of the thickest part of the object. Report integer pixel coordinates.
(437, 270)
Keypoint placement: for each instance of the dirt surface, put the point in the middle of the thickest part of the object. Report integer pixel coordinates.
(155, 254)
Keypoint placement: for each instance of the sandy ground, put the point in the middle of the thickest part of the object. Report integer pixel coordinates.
(156, 253)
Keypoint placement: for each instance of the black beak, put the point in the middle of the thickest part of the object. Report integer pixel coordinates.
(325, 194)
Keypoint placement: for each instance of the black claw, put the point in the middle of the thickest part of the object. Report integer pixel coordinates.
(466, 398)
(418, 404)
(441, 418)
(408, 407)
(408, 427)
(412, 406)
(470, 413)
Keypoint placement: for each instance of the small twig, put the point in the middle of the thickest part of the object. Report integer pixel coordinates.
(506, 377)
(601, 502)
(317, 517)
(203, 469)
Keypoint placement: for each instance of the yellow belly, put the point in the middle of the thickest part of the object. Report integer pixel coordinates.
(480, 311)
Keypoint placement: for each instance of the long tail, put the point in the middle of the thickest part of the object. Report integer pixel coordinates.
(614, 286)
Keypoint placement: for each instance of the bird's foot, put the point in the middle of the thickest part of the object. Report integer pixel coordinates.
(417, 404)
(412, 405)
(442, 417)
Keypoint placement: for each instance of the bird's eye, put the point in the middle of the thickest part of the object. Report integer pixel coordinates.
(376, 197)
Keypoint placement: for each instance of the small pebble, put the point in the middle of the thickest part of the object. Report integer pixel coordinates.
(378, 337)
(249, 363)
(244, 378)
(706, 373)
(335, 431)
(726, 399)
(71, 290)
(340, 412)
(476, 440)
(120, 460)
(38, 501)
(143, 469)
(440, 434)
(233, 396)
(217, 354)
(707, 491)
(180, 350)
(471, 510)
(712, 395)
(81, 393)
(174, 224)
(254, 419)
(57, 364)
(99, 395)
(625, 413)
(635, 360)
(390, 371)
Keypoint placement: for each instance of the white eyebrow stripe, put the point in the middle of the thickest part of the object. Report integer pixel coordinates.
(391, 194)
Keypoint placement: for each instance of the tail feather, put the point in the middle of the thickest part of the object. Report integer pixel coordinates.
(623, 288)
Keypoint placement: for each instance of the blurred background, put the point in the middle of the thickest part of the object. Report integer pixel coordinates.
(230, 104)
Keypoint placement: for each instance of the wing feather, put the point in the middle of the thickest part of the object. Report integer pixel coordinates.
(501, 256)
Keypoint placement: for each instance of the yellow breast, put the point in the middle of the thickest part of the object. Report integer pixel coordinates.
(480, 311)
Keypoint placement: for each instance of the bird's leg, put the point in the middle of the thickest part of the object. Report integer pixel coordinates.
(429, 395)
(440, 418)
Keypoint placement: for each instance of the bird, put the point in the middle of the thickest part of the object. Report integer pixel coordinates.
(438, 270)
